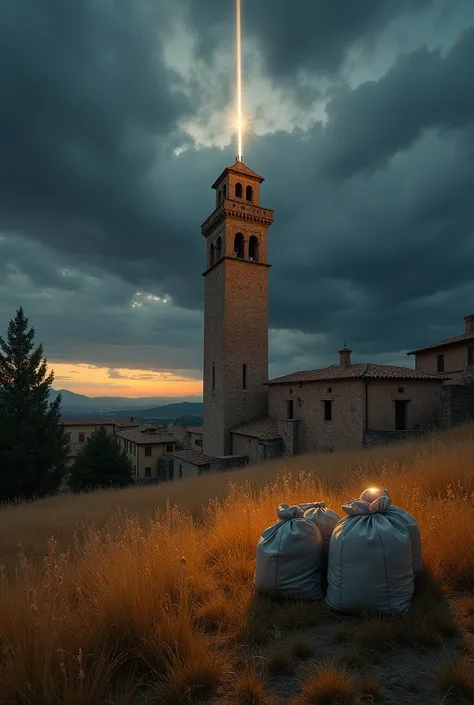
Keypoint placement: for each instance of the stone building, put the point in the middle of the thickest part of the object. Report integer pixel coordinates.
(146, 446)
(77, 431)
(455, 357)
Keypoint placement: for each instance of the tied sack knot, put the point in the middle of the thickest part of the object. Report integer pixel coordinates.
(285, 512)
(357, 507)
(312, 505)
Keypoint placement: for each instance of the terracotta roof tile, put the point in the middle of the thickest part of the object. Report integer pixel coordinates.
(194, 429)
(142, 435)
(263, 429)
(87, 422)
(447, 341)
(360, 370)
(195, 457)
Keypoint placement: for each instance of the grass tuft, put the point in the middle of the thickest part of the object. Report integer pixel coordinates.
(456, 679)
(328, 684)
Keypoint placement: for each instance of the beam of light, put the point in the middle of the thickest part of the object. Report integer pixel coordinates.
(240, 121)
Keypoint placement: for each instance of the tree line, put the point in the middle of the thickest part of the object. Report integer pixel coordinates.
(33, 447)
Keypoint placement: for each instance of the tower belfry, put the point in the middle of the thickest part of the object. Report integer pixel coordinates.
(236, 308)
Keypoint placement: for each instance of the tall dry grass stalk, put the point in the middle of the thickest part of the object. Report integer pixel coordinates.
(129, 578)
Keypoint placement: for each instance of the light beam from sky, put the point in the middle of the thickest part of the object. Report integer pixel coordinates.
(239, 81)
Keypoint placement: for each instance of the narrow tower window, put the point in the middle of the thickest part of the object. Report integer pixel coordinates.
(218, 252)
(253, 248)
(249, 193)
(224, 191)
(238, 190)
(239, 245)
(213, 377)
(244, 376)
(219, 196)
(211, 254)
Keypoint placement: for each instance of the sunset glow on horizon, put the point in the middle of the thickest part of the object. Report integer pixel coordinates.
(95, 381)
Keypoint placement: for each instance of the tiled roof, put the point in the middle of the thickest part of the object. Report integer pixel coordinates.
(447, 341)
(264, 430)
(364, 370)
(88, 422)
(194, 429)
(126, 423)
(195, 457)
(143, 435)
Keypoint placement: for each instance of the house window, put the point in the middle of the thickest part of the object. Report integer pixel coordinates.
(290, 409)
(180, 473)
(327, 410)
(134, 449)
(82, 438)
(470, 355)
(329, 390)
(67, 437)
(440, 363)
(169, 448)
(198, 442)
(213, 377)
(244, 376)
(401, 390)
(148, 451)
(148, 472)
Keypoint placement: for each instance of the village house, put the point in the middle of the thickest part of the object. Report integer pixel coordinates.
(77, 431)
(452, 356)
(147, 446)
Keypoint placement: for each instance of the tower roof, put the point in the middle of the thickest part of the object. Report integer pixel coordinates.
(239, 168)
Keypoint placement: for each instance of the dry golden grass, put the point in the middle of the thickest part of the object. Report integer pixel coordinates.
(328, 684)
(159, 579)
(456, 680)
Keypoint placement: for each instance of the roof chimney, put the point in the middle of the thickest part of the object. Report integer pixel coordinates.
(469, 323)
(344, 356)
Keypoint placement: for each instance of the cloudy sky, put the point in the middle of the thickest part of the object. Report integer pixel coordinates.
(115, 119)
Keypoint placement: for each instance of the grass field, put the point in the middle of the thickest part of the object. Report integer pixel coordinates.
(145, 595)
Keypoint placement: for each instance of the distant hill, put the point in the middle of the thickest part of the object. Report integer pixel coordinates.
(79, 402)
(168, 411)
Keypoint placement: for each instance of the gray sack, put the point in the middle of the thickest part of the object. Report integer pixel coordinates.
(409, 521)
(324, 518)
(289, 555)
(370, 560)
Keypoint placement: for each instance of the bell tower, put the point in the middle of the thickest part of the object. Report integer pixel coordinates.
(236, 308)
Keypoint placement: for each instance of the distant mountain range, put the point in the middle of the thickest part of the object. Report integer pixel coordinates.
(72, 402)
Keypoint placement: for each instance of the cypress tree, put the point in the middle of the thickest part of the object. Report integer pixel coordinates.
(101, 463)
(33, 451)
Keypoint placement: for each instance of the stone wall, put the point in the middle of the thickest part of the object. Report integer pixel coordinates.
(379, 438)
(288, 429)
(457, 404)
(226, 462)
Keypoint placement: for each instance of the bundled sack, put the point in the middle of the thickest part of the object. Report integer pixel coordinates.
(373, 493)
(370, 560)
(289, 556)
(324, 518)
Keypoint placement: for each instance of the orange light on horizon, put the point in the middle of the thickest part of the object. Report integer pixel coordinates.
(98, 381)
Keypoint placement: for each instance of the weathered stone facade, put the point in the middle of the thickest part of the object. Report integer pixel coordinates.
(379, 438)
(457, 404)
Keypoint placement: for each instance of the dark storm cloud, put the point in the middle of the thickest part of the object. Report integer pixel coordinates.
(422, 90)
(373, 235)
(302, 35)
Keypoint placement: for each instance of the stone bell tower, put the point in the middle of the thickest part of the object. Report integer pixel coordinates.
(236, 308)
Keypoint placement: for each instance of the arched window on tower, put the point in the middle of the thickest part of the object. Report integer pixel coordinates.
(249, 193)
(218, 252)
(238, 190)
(244, 376)
(239, 245)
(211, 255)
(253, 249)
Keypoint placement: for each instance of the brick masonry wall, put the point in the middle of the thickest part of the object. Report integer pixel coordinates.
(423, 397)
(344, 432)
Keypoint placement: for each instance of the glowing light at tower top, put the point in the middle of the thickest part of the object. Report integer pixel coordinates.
(240, 120)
